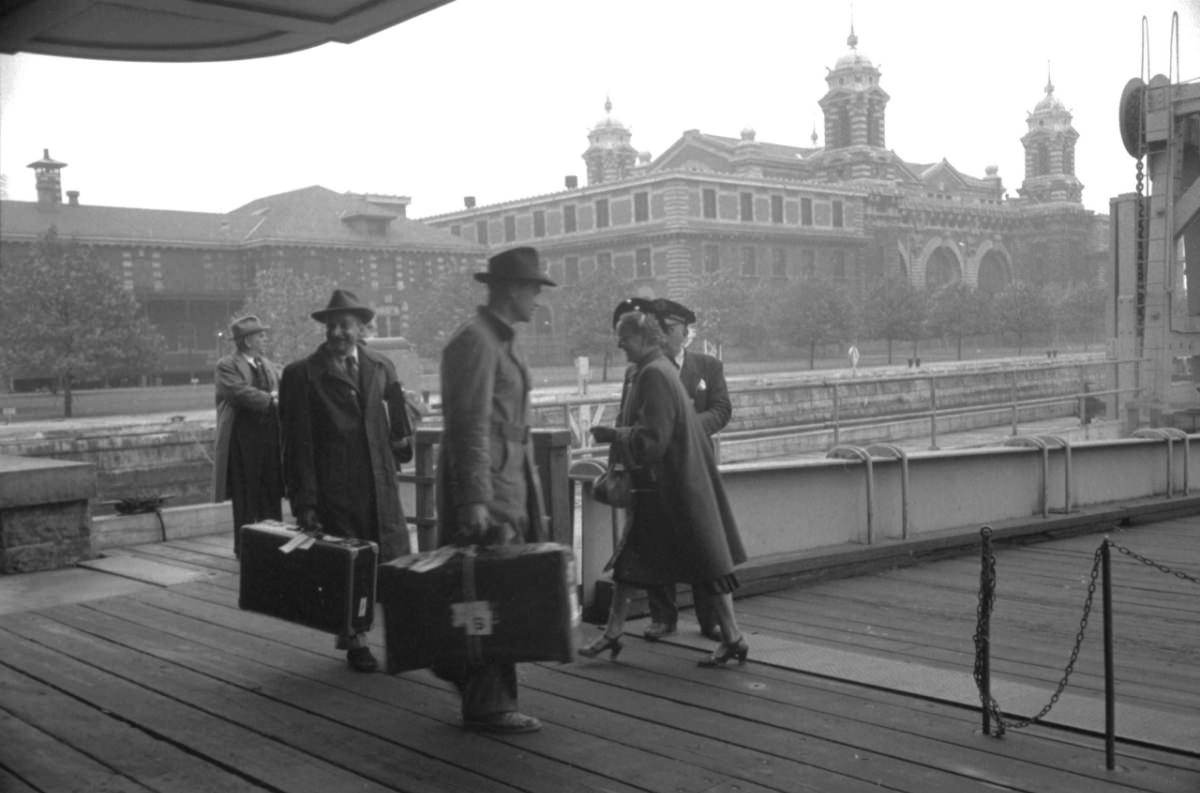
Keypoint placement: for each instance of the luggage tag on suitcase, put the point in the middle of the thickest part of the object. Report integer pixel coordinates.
(300, 542)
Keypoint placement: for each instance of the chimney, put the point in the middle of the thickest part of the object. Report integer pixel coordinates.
(469, 201)
(572, 182)
(49, 180)
(73, 198)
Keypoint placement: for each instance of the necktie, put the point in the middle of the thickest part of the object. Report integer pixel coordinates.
(260, 375)
(352, 369)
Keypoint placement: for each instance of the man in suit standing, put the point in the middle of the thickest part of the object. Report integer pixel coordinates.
(343, 439)
(488, 492)
(703, 378)
(246, 467)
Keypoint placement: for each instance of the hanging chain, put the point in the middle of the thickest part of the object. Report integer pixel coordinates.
(987, 601)
(1140, 246)
(1162, 568)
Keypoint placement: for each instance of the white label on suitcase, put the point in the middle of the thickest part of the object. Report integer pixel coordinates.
(474, 617)
(362, 607)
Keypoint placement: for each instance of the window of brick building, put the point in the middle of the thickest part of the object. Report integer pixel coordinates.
(569, 218)
(808, 263)
(456, 230)
(641, 207)
(749, 264)
(481, 234)
(776, 209)
(747, 207)
(604, 265)
(642, 268)
(709, 199)
(601, 213)
(837, 214)
(510, 228)
(539, 223)
(806, 212)
(778, 263)
(712, 258)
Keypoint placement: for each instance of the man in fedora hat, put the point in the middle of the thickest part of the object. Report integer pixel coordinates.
(487, 488)
(342, 410)
(246, 467)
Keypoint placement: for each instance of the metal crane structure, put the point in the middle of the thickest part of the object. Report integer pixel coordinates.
(1153, 317)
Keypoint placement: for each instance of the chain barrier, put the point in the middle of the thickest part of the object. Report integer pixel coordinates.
(986, 603)
(1162, 568)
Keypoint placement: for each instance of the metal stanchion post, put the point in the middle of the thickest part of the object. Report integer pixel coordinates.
(1109, 695)
(985, 630)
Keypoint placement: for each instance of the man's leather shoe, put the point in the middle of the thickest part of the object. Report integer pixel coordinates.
(657, 630)
(361, 660)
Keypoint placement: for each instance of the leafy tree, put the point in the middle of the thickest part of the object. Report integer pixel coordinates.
(728, 309)
(896, 309)
(284, 300)
(958, 310)
(812, 312)
(64, 313)
(586, 311)
(1081, 311)
(1021, 309)
(435, 313)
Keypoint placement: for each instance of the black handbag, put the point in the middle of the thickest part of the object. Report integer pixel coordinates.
(614, 487)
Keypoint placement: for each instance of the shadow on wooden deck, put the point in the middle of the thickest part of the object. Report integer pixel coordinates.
(853, 684)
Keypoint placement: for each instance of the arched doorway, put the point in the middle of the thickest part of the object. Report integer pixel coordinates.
(994, 273)
(941, 269)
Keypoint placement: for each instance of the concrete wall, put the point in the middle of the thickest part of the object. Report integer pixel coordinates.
(44, 514)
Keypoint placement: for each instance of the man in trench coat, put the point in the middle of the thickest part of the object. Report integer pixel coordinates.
(340, 444)
(246, 465)
(488, 491)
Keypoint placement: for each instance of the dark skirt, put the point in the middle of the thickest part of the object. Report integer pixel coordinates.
(649, 553)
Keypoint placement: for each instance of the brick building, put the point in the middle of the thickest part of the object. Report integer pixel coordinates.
(851, 210)
(191, 271)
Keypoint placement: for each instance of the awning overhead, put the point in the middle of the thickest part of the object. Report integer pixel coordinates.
(193, 30)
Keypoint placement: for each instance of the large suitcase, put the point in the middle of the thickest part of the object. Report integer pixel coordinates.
(324, 582)
(501, 603)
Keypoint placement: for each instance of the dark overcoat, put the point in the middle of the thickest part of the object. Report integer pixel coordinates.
(703, 378)
(681, 527)
(339, 445)
(236, 394)
(486, 455)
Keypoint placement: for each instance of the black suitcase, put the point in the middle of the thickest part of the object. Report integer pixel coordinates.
(329, 585)
(502, 603)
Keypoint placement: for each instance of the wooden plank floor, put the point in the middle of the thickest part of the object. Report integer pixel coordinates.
(173, 689)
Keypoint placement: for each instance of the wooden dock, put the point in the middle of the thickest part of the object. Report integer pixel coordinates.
(852, 685)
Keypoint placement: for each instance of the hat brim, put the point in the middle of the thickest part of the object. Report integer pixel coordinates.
(365, 314)
(489, 278)
(251, 332)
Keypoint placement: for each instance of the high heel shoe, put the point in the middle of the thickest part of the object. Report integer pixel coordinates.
(726, 652)
(605, 642)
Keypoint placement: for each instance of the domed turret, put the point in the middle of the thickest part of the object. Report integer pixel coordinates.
(1050, 151)
(854, 104)
(609, 155)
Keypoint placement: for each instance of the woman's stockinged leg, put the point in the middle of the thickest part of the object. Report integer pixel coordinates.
(723, 609)
(622, 593)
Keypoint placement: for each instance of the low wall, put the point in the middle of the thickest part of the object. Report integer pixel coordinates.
(174, 459)
(811, 517)
(44, 514)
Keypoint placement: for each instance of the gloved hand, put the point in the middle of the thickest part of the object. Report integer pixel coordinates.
(308, 521)
(603, 434)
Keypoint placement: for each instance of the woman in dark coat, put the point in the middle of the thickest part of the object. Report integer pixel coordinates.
(680, 526)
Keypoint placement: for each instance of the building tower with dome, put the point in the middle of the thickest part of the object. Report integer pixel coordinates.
(610, 156)
(1050, 152)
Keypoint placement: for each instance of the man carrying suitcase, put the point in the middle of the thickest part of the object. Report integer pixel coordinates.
(342, 445)
(488, 492)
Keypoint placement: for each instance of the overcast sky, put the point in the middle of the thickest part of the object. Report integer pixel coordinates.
(495, 99)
